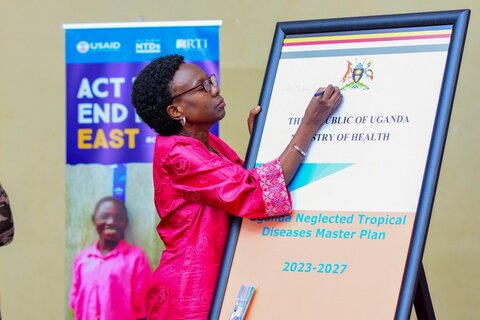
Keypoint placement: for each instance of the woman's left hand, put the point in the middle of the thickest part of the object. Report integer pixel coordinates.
(251, 117)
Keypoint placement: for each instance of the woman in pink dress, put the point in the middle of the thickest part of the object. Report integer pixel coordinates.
(199, 181)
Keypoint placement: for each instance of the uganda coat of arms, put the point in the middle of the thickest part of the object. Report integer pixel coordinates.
(351, 78)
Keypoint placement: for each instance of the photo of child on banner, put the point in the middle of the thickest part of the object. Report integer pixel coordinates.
(109, 277)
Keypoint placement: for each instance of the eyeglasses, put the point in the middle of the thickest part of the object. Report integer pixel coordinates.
(206, 84)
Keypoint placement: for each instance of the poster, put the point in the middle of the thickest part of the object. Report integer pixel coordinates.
(109, 149)
(344, 252)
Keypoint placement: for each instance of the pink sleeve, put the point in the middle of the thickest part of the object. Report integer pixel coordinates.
(140, 280)
(203, 177)
(275, 193)
(75, 282)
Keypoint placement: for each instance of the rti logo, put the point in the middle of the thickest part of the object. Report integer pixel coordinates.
(194, 43)
(148, 46)
(84, 46)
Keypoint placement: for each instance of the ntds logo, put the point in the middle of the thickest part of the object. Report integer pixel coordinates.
(194, 43)
(148, 46)
(84, 46)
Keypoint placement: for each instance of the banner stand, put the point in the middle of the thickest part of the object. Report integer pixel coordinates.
(109, 149)
(422, 300)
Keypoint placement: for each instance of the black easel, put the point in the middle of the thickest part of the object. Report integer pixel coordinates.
(422, 300)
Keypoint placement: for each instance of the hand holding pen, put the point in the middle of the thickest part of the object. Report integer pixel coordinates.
(322, 105)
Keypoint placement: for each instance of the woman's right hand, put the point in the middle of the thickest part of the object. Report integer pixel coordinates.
(322, 105)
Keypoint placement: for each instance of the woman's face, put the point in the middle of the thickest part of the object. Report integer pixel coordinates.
(110, 220)
(201, 109)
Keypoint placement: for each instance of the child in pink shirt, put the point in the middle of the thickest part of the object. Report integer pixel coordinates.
(109, 278)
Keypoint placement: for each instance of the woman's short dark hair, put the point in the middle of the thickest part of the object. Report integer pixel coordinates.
(151, 94)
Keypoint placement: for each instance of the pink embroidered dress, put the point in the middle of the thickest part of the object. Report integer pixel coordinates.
(195, 194)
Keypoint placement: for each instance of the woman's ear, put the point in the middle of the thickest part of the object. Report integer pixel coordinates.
(174, 112)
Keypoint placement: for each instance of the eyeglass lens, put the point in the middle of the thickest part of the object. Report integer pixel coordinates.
(207, 84)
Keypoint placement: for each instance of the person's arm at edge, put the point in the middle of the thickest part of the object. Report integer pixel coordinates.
(6, 219)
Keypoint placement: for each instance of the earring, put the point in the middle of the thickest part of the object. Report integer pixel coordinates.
(183, 121)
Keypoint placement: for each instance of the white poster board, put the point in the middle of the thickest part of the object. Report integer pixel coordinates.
(362, 198)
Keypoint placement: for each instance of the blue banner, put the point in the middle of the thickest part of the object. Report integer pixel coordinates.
(109, 149)
(102, 62)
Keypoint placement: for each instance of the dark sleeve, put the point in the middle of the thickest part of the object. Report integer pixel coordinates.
(6, 219)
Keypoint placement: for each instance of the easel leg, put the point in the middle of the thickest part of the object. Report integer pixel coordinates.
(422, 301)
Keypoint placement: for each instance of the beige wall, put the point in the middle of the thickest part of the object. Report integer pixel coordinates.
(32, 134)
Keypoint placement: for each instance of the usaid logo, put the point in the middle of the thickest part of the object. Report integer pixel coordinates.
(84, 46)
(194, 43)
(148, 46)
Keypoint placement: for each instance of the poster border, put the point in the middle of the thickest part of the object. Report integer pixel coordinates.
(143, 24)
(459, 21)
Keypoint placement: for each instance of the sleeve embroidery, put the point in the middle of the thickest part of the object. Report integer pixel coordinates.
(275, 194)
